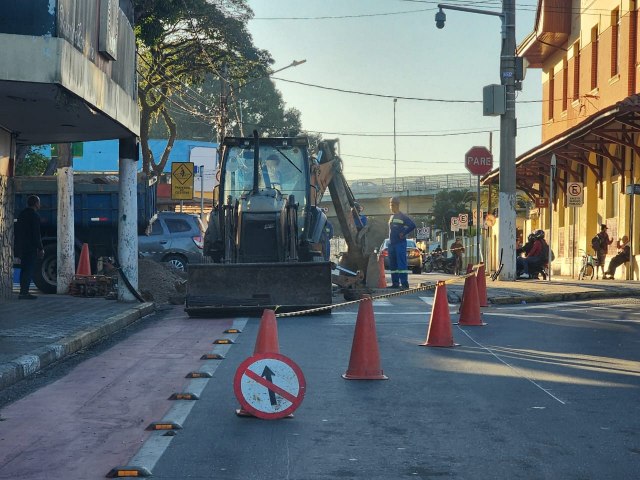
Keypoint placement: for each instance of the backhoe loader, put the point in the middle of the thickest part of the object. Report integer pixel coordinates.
(264, 239)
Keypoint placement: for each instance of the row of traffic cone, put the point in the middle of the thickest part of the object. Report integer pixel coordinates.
(364, 362)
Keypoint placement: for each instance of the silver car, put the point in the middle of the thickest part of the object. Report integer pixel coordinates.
(173, 237)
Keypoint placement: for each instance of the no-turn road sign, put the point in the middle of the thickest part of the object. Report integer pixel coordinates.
(269, 385)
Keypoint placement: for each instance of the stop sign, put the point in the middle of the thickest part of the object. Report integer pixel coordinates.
(478, 160)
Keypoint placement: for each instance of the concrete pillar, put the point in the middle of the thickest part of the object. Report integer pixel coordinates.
(66, 238)
(128, 218)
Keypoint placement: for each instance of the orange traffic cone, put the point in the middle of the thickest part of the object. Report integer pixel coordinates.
(439, 333)
(267, 340)
(382, 276)
(84, 266)
(470, 307)
(364, 363)
(481, 282)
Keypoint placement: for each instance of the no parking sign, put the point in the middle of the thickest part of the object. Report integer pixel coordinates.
(269, 385)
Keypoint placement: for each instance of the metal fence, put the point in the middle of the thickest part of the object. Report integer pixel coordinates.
(426, 183)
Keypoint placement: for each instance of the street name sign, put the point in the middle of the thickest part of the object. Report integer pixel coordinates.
(182, 181)
(269, 385)
(478, 160)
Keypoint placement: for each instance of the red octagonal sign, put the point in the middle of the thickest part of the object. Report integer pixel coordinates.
(478, 160)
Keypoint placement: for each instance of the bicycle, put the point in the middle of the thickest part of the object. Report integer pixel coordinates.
(588, 266)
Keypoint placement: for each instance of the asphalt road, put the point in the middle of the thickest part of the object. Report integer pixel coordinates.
(544, 391)
(541, 392)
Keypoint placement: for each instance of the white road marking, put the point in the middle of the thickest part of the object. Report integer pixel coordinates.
(155, 446)
(511, 367)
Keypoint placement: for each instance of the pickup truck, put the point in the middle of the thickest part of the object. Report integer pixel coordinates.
(95, 216)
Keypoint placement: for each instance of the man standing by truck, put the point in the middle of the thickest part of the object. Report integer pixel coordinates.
(400, 225)
(28, 244)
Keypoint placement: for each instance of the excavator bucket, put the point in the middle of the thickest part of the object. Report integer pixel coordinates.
(215, 290)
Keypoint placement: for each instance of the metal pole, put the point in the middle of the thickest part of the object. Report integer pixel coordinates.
(507, 196)
(395, 187)
(201, 192)
(552, 178)
(573, 245)
(631, 231)
(478, 216)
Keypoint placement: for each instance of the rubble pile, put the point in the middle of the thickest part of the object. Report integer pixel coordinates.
(161, 283)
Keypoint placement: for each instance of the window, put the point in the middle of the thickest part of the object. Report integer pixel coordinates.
(156, 228)
(565, 85)
(594, 58)
(176, 225)
(576, 71)
(615, 42)
(552, 84)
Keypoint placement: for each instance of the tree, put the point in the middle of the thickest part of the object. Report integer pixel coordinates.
(180, 42)
(450, 203)
(30, 160)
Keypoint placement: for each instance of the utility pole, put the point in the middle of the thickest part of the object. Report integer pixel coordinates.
(395, 170)
(507, 193)
(507, 188)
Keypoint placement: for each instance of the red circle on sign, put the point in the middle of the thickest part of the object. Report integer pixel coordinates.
(478, 160)
(280, 392)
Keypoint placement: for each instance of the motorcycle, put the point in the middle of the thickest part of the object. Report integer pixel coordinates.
(437, 262)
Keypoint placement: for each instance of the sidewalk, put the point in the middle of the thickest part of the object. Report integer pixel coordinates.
(34, 334)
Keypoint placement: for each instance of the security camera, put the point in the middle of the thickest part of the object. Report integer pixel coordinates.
(440, 19)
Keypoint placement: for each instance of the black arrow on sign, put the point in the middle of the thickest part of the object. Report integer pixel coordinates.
(267, 374)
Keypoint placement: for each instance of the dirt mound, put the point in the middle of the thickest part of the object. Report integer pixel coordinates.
(160, 283)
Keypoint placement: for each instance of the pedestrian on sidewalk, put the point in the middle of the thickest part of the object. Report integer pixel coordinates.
(457, 250)
(28, 244)
(601, 248)
(400, 225)
(623, 256)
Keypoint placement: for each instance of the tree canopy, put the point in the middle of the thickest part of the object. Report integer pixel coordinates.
(192, 54)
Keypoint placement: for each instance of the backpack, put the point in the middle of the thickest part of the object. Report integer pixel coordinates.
(596, 244)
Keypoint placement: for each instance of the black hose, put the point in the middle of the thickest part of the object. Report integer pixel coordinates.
(127, 283)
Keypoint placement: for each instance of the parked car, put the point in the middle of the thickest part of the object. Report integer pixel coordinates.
(175, 238)
(414, 255)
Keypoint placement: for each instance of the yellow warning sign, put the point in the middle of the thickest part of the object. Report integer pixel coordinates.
(182, 181)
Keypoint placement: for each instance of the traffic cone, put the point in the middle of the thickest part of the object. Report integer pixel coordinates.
(84, 266)
(439, 333)
(481, 282)
(364, 363)
(382, 276)
(267, 340)
(470, 307)
(469, 267)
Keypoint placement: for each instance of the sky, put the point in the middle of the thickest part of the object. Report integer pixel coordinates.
(376, 48)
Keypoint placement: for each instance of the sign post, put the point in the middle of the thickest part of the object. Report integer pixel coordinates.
(633, 190)
(479, 161)
(575, 198)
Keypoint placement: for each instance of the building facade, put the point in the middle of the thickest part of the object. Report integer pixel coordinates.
(588, 54)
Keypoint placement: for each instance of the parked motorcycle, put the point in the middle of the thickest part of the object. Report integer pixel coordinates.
(437, 262)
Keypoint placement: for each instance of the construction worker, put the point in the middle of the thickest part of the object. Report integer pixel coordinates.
(400, 225)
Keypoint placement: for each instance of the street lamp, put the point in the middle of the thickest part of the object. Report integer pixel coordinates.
(395, 170)
(507, 193)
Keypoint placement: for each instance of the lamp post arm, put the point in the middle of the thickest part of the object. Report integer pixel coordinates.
(442, 6)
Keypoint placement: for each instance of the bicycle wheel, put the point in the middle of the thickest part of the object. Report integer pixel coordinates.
(586, 273)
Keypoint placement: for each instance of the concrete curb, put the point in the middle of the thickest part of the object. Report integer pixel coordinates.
(26, 365)
(559, 297)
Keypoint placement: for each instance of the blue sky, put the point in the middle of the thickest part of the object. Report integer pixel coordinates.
(401, 55)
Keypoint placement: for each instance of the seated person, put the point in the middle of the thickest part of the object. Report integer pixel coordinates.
(624, 253)
(358, 217)
(535, 256)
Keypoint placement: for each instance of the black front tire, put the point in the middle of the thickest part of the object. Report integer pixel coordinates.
(45, 271)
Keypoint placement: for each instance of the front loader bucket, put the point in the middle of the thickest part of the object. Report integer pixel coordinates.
(215, 290)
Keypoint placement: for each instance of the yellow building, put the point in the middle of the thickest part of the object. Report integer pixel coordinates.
(588, 53)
